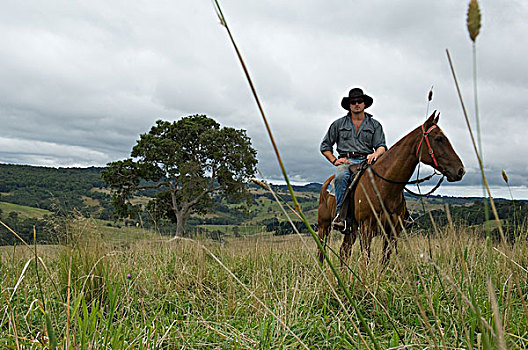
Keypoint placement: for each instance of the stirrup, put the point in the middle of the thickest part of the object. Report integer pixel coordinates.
(339, 225)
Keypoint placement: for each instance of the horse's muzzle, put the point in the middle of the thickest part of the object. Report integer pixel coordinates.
(456, 175)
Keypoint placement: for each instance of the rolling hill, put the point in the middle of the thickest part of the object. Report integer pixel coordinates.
(31, 196)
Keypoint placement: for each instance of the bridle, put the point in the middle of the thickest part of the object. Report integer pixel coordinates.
(425, 136)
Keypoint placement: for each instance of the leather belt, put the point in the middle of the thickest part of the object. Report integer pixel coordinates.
(352, 155)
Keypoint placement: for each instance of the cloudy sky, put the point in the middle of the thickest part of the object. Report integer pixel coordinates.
(80, 80)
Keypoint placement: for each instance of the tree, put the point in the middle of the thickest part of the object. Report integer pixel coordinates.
(186, 162)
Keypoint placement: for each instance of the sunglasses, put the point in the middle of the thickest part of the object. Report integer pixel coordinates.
(358, 101)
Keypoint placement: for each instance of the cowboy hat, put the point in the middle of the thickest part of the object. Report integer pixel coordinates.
(354, 94)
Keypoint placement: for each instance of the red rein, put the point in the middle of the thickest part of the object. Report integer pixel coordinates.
(425, 136)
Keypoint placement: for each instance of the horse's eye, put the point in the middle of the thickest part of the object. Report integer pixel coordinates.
(439, 139)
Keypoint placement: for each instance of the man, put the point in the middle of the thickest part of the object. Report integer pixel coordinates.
(358, 137)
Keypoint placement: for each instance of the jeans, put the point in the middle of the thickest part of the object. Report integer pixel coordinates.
(341, 180)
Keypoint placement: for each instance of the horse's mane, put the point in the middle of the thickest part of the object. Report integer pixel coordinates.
(395, 148)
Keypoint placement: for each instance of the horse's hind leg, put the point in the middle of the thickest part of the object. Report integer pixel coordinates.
(323, 232)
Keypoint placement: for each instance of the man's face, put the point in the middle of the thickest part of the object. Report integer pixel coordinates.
(357, 105)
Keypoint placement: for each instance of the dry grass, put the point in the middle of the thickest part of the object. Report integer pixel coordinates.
(174, 294)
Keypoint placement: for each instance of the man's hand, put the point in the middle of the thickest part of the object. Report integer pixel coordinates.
(340, 161)
(372, 158)
(335, 161)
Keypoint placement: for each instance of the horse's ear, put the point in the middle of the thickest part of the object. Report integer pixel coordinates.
(431, 120)
(436, 118)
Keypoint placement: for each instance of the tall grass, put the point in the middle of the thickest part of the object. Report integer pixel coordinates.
(175, 295)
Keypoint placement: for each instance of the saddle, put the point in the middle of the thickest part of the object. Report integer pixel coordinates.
(347, 208)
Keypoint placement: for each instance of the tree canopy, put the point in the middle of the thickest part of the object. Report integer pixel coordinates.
(186, 162)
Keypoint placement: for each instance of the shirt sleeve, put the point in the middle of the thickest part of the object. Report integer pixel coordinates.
(379, 138)
(329, 140)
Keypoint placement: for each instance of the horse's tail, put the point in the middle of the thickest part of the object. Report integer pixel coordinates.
(324, 188)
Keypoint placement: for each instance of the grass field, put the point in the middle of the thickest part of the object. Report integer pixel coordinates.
(23, 210)
(261, 291)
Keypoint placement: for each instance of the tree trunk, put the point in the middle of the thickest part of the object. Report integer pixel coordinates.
(179, 213)
(180, 223)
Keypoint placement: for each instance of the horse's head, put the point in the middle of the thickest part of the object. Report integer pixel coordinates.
(434, 149)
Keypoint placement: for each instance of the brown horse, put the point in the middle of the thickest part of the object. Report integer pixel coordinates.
(428, 144)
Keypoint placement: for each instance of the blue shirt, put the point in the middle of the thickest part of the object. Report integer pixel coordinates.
(342, 132)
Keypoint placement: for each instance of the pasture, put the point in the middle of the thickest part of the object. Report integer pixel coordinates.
(23, 210)
(261, 291)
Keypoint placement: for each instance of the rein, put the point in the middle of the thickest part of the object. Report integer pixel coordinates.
(413, 182)
(425, 194)
(417, 181)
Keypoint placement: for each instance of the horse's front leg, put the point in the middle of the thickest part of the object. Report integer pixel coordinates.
(348, 241)
(390, 239)
(388, 245)
(366, 234)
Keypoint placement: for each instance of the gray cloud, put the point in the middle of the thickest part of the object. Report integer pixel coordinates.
(80, 81)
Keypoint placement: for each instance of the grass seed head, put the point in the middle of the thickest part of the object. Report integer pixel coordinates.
(259, 183)
(504, 176)
(473, 20)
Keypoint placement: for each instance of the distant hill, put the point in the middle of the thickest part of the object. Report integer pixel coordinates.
(56, 189)
(311, 187)
(59, 191)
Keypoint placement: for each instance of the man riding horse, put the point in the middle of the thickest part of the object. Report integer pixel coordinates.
(375, 204)
(359, 137)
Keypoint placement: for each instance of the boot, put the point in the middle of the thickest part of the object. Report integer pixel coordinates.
(339, 224)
